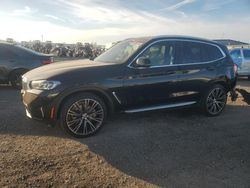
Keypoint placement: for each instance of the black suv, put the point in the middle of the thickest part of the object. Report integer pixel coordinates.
(135, 75)
(16, 60)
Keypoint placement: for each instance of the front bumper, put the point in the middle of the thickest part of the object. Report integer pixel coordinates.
(39, 105)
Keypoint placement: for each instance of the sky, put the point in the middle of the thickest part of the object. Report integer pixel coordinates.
(106, 21)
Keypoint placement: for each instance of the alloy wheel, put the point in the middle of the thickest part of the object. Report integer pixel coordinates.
(84, 117)
(216, 101)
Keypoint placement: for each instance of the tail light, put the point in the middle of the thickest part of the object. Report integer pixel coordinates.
(48, 61)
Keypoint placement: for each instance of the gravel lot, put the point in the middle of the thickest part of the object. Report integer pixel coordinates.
(176, 148)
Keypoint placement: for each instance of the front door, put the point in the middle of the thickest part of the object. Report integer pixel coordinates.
(153, 85)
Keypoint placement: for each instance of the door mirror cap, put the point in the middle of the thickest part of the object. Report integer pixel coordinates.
(143, 62)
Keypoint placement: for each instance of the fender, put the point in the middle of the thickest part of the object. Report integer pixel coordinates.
(101, 92)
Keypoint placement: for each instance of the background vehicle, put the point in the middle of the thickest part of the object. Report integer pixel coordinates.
(241, 57)
(16, 60)
(135, 75)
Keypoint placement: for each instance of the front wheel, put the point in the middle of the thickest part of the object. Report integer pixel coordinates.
(83, 115)
(214, 101)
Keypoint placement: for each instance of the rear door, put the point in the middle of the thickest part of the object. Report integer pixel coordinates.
(8, 60)
(197, 64)
(2, 64)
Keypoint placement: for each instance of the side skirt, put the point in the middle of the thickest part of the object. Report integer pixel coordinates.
(158, 107)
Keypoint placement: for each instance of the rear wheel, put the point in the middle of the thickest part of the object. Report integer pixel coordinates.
(214, 101)
(16, 78)
(83, 115)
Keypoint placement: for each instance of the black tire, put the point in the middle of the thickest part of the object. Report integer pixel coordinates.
(79, 119)
(214, 101)
(16, 78)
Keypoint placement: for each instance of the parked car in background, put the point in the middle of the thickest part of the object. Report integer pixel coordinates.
(16, 60)
(135, 75)
(241, 56)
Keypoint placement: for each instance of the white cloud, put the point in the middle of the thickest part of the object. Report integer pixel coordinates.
(109, 34)
(109, 13)
(21, 12)
(210, 5)
(180, 4)
(54, 17)
(115, 22)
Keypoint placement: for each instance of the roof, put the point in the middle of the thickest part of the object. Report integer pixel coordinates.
(181, 37)
(228, 42)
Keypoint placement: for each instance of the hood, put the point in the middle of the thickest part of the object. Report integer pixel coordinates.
(58, 68)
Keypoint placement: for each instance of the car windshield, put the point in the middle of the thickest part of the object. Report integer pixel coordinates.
(120, 52)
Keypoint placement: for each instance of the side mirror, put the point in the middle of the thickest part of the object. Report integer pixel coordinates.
(143, 62)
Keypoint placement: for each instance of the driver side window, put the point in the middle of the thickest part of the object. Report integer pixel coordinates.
(159, 54)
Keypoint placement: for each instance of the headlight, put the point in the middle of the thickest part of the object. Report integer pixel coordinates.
(44, 84)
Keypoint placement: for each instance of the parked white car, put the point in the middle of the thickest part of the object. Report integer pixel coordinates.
(241, 57)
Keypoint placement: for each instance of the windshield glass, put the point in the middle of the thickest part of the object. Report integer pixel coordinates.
(120, 52)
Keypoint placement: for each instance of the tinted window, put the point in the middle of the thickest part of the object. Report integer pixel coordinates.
(210, 52)
(188, 52)
(196, 52)
(246, 54)
(25, 52)
(2, 51)
(6, 52)
(160, 54)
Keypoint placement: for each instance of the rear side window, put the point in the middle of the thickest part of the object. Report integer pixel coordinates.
(210, 52)
(196, 52)
(246, 54)
(188, 52)
(6, 53)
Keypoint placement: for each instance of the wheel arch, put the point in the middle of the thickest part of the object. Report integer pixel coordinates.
(223, 82)
(15, 70)
(96, 91)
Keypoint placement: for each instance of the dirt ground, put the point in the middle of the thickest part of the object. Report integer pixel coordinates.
(169, 148)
